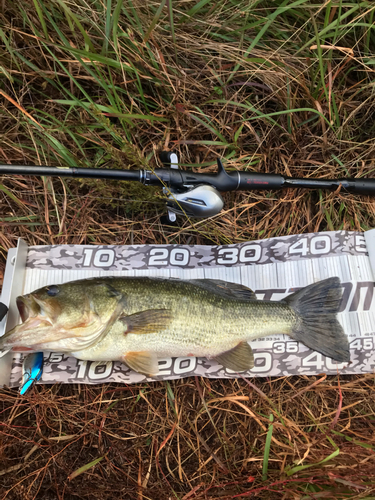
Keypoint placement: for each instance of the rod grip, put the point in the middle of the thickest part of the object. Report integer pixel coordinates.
(253, 181)
(364, 186)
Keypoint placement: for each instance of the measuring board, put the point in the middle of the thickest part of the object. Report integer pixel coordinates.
(273, 268)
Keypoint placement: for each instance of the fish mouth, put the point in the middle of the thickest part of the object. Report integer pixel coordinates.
(34, 329)
(27, 307)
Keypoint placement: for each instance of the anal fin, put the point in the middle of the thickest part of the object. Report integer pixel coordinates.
(142, 362)
(238, 359)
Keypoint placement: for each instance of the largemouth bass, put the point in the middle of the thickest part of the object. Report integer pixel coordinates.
(138, 320)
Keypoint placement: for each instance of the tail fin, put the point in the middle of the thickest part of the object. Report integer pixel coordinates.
(317, 327)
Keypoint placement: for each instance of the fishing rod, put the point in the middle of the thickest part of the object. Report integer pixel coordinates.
(197, 194)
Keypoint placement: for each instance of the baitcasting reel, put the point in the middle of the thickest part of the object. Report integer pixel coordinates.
(191, 200)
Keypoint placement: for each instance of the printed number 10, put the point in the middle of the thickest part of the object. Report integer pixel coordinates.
(103, 257)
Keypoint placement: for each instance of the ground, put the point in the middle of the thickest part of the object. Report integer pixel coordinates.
(267, 86)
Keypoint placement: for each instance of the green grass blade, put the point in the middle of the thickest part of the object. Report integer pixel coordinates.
(112, 111)
(171, 397)
(108, 25)
(85, 468)
(14, 53)
(322, 66)
(338, 19)
(11, 195)
(154, 21)
(331, 29)
(194, 10)
(115, 23)
(271, 18)
(74, 18)
(8, 75)
(357, 442)
(267, 448)
(171, 24)
(41, 19)
(207, 126)
(259, 114)
(303, 467)
(60, 149)
(368, 48)
(134, 19)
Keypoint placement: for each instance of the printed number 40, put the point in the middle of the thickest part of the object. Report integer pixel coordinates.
(318, 245)
(315, 360)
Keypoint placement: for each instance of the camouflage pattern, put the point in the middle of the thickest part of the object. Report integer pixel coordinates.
(273, 268)
(71, 370)
(123, 258)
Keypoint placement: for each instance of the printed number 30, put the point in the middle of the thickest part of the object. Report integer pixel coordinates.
(248, 253)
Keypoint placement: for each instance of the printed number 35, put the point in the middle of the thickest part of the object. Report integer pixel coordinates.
(281, 347)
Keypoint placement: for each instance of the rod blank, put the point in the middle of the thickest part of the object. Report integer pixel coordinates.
(180, 179)
(93, 173)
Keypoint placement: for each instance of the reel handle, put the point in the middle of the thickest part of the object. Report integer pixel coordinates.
(169, 159)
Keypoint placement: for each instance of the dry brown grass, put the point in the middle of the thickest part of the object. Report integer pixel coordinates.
(190, 439)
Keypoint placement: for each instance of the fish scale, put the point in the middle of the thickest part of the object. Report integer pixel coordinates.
(206, 331)
(202, 324)
(139, 320)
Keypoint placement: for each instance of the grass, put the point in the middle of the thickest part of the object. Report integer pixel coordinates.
(151, 441)
(268, 86)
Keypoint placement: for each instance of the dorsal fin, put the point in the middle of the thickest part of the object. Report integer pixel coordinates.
(226, 289)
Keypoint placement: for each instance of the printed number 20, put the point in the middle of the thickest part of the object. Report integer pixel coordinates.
(164, 256)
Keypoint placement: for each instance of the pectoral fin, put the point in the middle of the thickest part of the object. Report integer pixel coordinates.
(142, 362)
(238, 359)
(150, 321)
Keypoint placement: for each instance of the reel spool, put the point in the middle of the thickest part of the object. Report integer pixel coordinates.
(194, 201)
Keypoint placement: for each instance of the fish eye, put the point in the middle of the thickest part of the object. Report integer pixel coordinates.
(52, 291)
